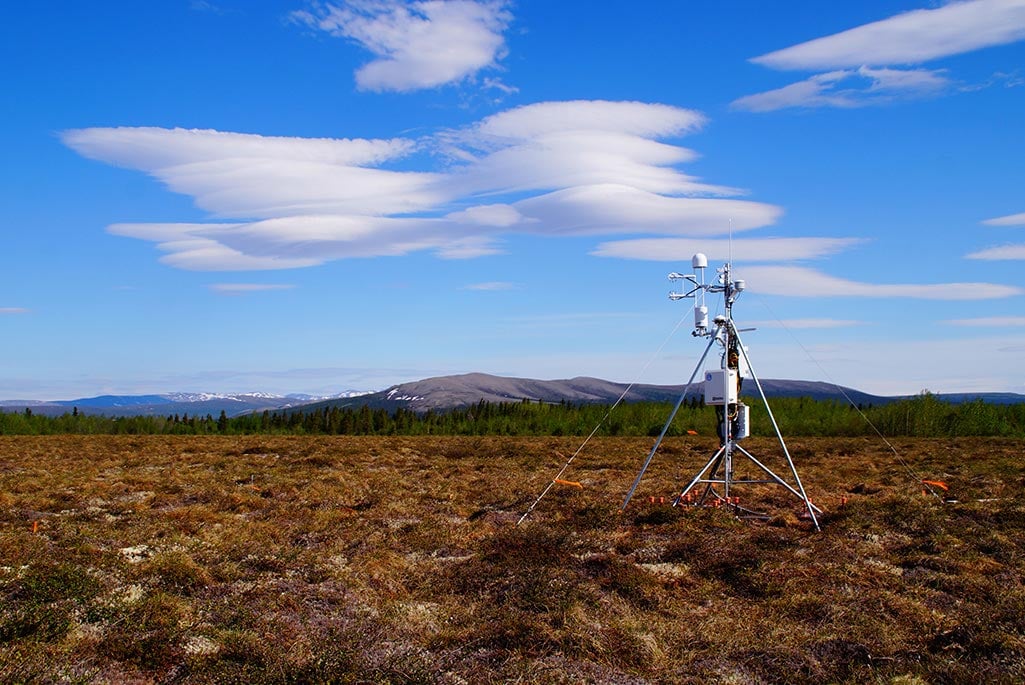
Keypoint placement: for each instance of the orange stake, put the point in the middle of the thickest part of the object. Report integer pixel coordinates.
(35, 527)
(940, 484)
(571, 483)
(690, 432)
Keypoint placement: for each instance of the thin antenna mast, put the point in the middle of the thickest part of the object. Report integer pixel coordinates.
(716, 480)
(729, 259)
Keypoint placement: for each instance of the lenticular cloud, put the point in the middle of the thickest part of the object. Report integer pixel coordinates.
(549, 169)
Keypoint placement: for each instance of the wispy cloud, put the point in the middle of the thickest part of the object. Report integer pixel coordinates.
(204, 6)
(417, 44)
(13, 310)
(989, 321)
(798, 281)
(741, 249)
(999, 253)
(859, 65)
(848, 89)
(909, 38)
(552, 168)
(1010, 220)
(245, 288)
(491, 285)
(1002, 252)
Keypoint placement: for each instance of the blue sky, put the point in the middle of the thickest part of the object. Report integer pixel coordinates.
(311, 197)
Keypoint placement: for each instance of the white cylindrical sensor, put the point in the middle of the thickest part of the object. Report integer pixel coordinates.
(700, 316)
(699, 261)
(743, 427)
(739, 285)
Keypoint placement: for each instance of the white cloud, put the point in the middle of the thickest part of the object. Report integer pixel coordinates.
(581, 168)
(244, 288)
(552, 145)
(498, 215)
(909, 38)
(245, 175)
(989, 321)
(857, 65)
(642, 119)
(491, 285)
(13, 310)
(797, 281)
(190, 249)
(1010, 220)
(613, 208)
(742, 249)
(568, 168)
(468, 248)
(999, 253)
(847, 89)
(417, 44)
(150, 148)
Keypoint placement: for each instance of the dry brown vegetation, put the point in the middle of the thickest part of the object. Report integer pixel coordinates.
(292, 560)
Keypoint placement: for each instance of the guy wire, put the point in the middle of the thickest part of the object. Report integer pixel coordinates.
(847, 397)
(605, 418)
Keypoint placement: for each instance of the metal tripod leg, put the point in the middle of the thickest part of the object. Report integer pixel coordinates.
(712, 463)
(777, 479)
(800, 492)
(669, 421)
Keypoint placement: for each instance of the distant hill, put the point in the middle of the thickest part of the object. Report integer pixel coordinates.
(449, 392)
(193, 404)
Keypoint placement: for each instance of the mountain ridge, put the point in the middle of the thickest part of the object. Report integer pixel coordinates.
(441, 393)
(449, 392)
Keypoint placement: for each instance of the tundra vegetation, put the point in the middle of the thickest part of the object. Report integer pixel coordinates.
(317, 559)
(921, 416)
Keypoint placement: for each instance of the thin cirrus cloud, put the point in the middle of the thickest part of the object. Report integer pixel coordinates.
(491, 286)
(989, 321)
(745, 249)
(799, 281)
(1002, 252)
(551, 169)
(1010, 220)
(848, 89)
(858, 66)
(13, 310)
(417, 45)
(245, 288)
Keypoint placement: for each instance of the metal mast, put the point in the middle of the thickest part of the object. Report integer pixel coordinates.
(715, 481)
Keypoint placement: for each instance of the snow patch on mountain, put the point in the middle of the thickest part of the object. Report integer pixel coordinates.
(392, 395)
(286, 400)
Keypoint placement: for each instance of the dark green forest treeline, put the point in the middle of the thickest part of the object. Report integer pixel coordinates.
(922, 416)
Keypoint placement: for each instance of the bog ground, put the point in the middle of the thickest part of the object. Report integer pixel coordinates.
(291, 559)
